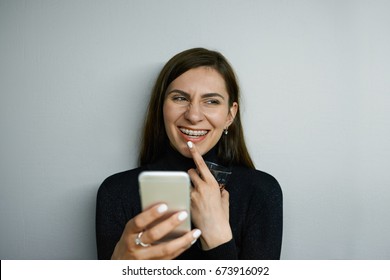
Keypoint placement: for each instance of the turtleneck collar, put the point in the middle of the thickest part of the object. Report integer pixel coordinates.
(172, 160)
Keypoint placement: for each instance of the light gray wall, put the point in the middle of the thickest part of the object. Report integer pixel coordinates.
(74, 83)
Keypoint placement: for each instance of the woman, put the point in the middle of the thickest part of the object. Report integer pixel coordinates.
(193, 116)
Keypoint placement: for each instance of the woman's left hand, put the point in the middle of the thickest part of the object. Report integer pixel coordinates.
(209, 205)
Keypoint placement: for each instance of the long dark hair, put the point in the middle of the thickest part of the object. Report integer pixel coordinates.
(231, 148)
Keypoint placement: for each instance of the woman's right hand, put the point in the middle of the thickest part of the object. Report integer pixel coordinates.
(126, 248)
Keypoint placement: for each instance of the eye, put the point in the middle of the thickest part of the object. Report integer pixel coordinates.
(213, 101)
(179, 98)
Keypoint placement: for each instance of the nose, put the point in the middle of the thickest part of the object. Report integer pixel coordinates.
(194, 113)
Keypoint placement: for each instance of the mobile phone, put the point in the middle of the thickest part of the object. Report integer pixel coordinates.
(170, 187)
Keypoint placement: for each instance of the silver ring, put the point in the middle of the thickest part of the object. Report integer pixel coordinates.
(138, 240)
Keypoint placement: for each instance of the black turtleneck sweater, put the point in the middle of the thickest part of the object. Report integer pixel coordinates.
(255, 210)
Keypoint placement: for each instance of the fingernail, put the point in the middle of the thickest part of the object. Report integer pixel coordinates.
(190, 144)
(182, 216)
(196, 233)
(162, 208)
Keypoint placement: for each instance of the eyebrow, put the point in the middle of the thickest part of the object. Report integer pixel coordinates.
(206, 95)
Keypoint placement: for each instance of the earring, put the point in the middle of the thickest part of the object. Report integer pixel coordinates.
(225, 131)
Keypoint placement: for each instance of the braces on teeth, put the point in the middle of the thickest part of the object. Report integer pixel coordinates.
(193, 132)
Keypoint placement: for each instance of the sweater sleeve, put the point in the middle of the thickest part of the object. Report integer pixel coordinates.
(226, 251)
(117, 202)
(262, 236)
(110, 221)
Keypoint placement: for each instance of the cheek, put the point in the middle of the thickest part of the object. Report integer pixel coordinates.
(167, 121)
(167, 114)
(218, 119)
(171, 115)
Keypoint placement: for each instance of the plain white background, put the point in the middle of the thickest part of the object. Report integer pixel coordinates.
(75, 77)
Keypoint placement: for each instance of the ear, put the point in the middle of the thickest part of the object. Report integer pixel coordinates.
(232, 114)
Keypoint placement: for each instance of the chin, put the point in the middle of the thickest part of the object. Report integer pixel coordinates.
(203, 151)
(186, 154)
(184, 151)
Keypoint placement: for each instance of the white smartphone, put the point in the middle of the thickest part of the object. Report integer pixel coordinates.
(170, 187)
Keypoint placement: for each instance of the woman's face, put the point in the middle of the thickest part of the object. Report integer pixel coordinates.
(196, 108)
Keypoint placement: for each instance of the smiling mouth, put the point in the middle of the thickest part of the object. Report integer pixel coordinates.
(193, 133)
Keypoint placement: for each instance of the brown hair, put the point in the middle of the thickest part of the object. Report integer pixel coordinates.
(231, 148)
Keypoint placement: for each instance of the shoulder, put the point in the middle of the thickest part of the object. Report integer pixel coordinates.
(256, 180)
(123, 177)
(119, 183)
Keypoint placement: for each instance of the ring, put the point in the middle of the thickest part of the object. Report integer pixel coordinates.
(138, 240)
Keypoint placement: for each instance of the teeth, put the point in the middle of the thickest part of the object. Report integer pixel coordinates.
(193, 132)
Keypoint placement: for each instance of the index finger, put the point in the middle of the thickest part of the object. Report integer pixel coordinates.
(199, 161)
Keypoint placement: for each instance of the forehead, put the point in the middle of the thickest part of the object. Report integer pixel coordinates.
(200, 80)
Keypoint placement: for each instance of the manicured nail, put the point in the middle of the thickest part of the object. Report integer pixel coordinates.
(196, 233)
(190, 144)
(162, 208)
(182, 216)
